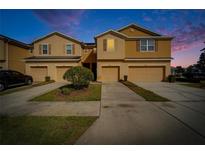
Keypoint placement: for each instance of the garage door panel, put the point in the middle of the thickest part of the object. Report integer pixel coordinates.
(60, 72)
(38, 72)
(110, 74)
(145, 74)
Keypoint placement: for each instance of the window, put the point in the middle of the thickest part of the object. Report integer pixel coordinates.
(110, 44)
(45, 49)
(147, 45)
(69, 49)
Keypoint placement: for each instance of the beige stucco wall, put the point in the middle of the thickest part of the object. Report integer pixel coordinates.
(16, 56)
(163, 50)
(58, 46)
(133, 32)
(2, 55)
(52, 71)
(119, 52)
(2, 50)
(125, 65)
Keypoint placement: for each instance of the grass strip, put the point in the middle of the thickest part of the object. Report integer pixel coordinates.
(146, 94)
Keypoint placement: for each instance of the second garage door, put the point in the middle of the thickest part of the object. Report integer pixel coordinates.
(110, 74)
(146, 74)
(60, 72)
(38, 72)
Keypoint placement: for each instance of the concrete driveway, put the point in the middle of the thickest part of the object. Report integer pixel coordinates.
(16, 104)
(175, 91)
(127, 119)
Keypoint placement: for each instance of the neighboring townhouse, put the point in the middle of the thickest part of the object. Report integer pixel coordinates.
(132, 51)
(55, 53)
(12, 54)
(140, 54)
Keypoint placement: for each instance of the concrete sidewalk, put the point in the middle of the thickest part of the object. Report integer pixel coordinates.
(16, 104)
(127, 119)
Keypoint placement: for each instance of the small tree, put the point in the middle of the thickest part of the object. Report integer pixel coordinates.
(79, 76)
(201, 62)
(179, 70)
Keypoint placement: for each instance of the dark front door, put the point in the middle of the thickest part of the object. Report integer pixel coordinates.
(94, 70)
(87, 65)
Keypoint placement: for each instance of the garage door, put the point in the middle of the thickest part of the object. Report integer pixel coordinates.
(110, 74)
(146, 74)
(60, 72)
(38, 72)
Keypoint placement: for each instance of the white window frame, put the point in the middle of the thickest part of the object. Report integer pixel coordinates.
(71, 49)
(47, 48)
(147, 45)
(113, 47)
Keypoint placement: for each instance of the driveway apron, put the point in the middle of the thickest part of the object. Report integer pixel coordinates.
(126, 118)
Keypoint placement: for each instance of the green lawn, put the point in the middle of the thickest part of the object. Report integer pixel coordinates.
(11, 90)
(146, 94)
(92, 93)
(43, 130)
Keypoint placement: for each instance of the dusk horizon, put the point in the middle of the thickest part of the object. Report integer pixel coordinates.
(186, 26)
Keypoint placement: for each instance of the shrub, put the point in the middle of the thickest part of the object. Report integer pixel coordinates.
(171, 78)
(47, 78)
(66, 91)
(79, 76)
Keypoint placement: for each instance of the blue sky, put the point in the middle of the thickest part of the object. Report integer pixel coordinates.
(187, 26)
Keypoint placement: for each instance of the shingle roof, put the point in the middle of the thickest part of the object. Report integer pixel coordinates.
(15, 42)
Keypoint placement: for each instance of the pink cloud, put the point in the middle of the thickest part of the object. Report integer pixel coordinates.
(186, 37)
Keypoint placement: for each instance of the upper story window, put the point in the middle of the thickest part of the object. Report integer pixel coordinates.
(45, 49)
(69, 49)
(147, 45)
(109, 45)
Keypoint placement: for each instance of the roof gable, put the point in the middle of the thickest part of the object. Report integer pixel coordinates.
(139, 28)
(58, 34)
(115, 33)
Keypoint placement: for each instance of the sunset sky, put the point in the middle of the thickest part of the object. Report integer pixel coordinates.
(187, 26)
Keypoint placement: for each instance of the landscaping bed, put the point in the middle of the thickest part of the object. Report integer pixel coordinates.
(146, 94)
(43, 130)
(15, 89)
(68, 93)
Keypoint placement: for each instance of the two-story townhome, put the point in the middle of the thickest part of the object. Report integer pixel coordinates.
(55, 53)
(135, 52)
(12, 54)
(132, 51)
